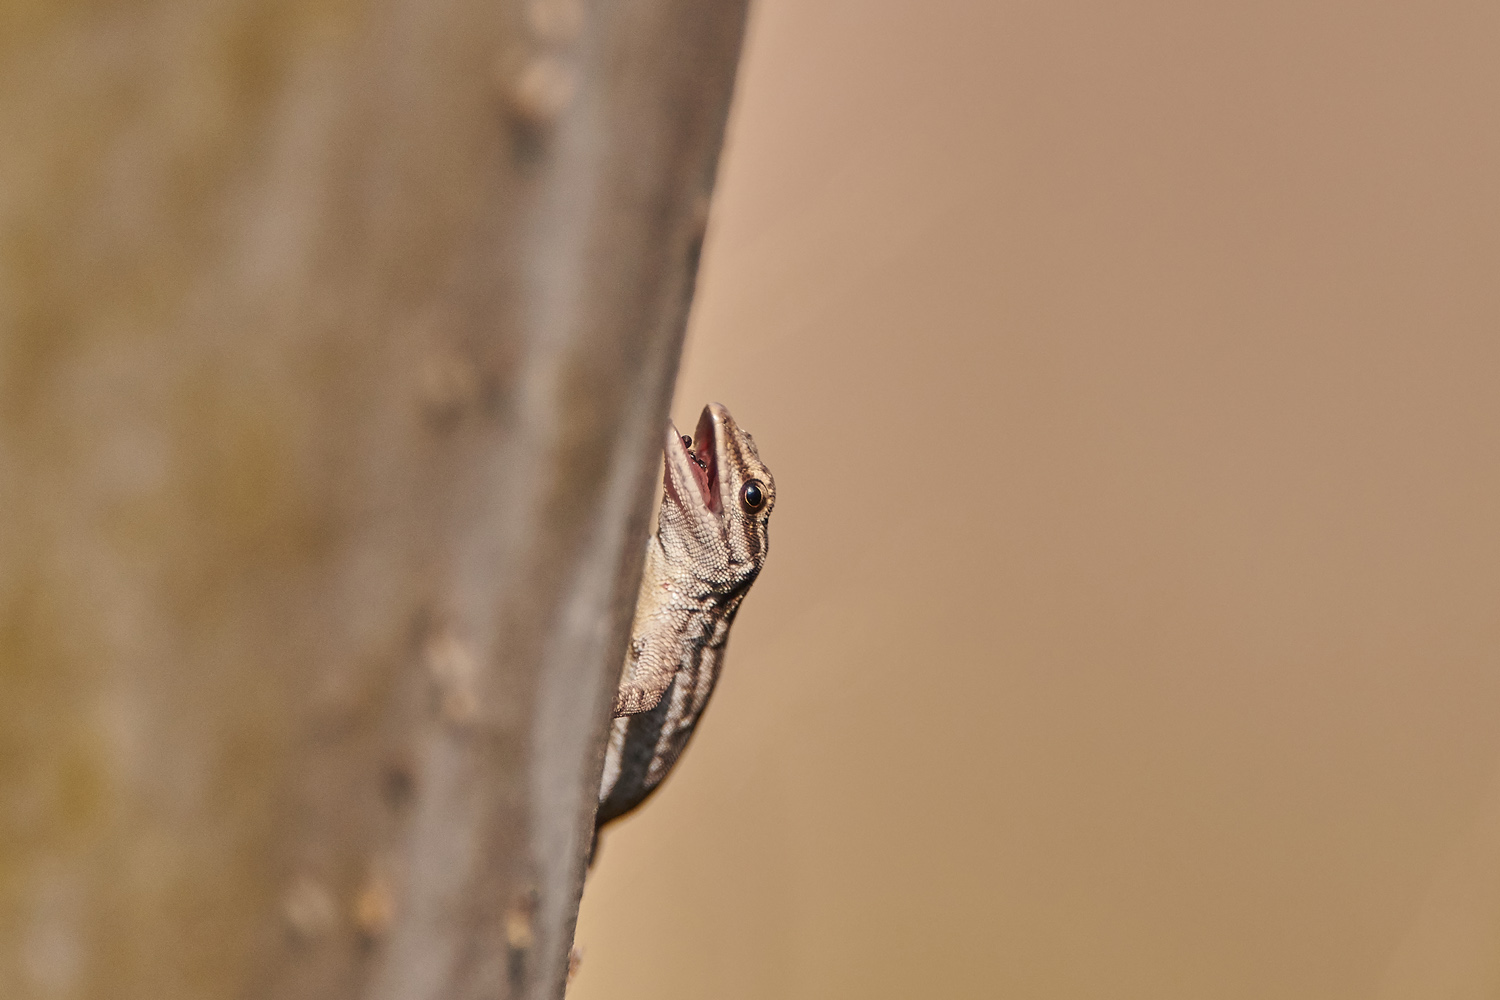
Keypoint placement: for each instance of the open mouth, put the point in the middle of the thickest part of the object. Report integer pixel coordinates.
(702, 461)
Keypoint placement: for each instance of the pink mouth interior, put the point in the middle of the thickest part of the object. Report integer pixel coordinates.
(703, 461)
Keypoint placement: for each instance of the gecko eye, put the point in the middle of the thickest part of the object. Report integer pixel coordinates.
(752, 495)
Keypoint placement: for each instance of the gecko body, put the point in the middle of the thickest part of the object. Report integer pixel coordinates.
(708, 549)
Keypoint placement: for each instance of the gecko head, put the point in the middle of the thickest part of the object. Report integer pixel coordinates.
(718, 500)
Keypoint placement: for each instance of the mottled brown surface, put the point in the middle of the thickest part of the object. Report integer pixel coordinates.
(1130, 627)
(335, 344)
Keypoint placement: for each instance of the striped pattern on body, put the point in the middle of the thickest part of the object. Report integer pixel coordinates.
(643, 747)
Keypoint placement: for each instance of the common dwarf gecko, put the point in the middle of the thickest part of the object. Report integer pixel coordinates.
(710, 544)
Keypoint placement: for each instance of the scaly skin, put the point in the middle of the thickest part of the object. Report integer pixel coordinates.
(709, 546)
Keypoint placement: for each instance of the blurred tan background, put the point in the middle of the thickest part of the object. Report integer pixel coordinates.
(1129, 374)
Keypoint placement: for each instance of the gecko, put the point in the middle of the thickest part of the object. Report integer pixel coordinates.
(709, 546)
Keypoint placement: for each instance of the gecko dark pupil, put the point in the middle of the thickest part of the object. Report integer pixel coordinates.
(753, 495)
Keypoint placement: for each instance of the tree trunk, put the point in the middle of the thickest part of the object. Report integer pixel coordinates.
(336, 341)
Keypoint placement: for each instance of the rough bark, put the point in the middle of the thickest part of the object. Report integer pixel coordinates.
(335, 343)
